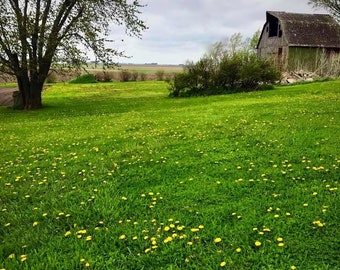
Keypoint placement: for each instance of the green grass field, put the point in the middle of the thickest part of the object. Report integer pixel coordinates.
(119, 176)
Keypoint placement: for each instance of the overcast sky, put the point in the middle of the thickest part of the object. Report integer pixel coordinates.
(181, 30)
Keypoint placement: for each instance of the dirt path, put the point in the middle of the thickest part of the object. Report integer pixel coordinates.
(6, 96)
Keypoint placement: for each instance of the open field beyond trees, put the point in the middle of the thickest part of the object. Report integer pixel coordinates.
(119, 176)
(143, 72)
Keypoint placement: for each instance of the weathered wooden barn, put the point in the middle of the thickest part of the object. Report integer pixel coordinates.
(298, 41)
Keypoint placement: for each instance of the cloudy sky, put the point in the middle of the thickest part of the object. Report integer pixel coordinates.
(181, 30)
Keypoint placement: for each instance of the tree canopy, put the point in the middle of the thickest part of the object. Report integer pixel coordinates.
(34, 34)
(332, 6)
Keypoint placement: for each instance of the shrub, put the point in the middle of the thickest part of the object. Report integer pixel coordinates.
(142, 76)
(180, 85)
(160, 75)
(52, 77)
(125, 75)
(134, 75)
(104, 76)
(169, 77)
(85, 78)
(242, 71)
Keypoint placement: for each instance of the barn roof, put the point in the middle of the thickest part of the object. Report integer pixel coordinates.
(309, 30)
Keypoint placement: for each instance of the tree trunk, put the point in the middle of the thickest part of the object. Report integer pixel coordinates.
(31, 92)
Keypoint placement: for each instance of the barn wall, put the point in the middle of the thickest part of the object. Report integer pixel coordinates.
(306, 59)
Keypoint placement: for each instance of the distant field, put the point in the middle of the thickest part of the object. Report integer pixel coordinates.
(120, 176)
(152, 69)
(149, 70)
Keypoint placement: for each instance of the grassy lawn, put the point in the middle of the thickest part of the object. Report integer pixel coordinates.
(119, 176)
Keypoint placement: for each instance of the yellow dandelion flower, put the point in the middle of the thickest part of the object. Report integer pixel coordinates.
(180, 228)
(88, 238)
(166, 228)
(122, 237)
(11, 256)
(279, 239)
(238, 250)
(44, 214)
(194, 229)
(124, 198)
(189, 243)
(168, 239)
(23, 257)
(280, 244)
(258, 243)
(87, 264)
(7, 224)
(276, 216)
(217, 240)
(68, 233)
(134, 238)
(82, 260)
(222, 264)
(201, 227)
(293, 267)
(318, 223)
(147, 250)
(35, 223)
(305, 204)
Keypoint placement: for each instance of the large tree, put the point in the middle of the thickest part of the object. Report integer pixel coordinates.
(333, 6)
(34, 34)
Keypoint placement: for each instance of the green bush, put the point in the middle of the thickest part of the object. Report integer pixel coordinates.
(241, 71)
(85, 78)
